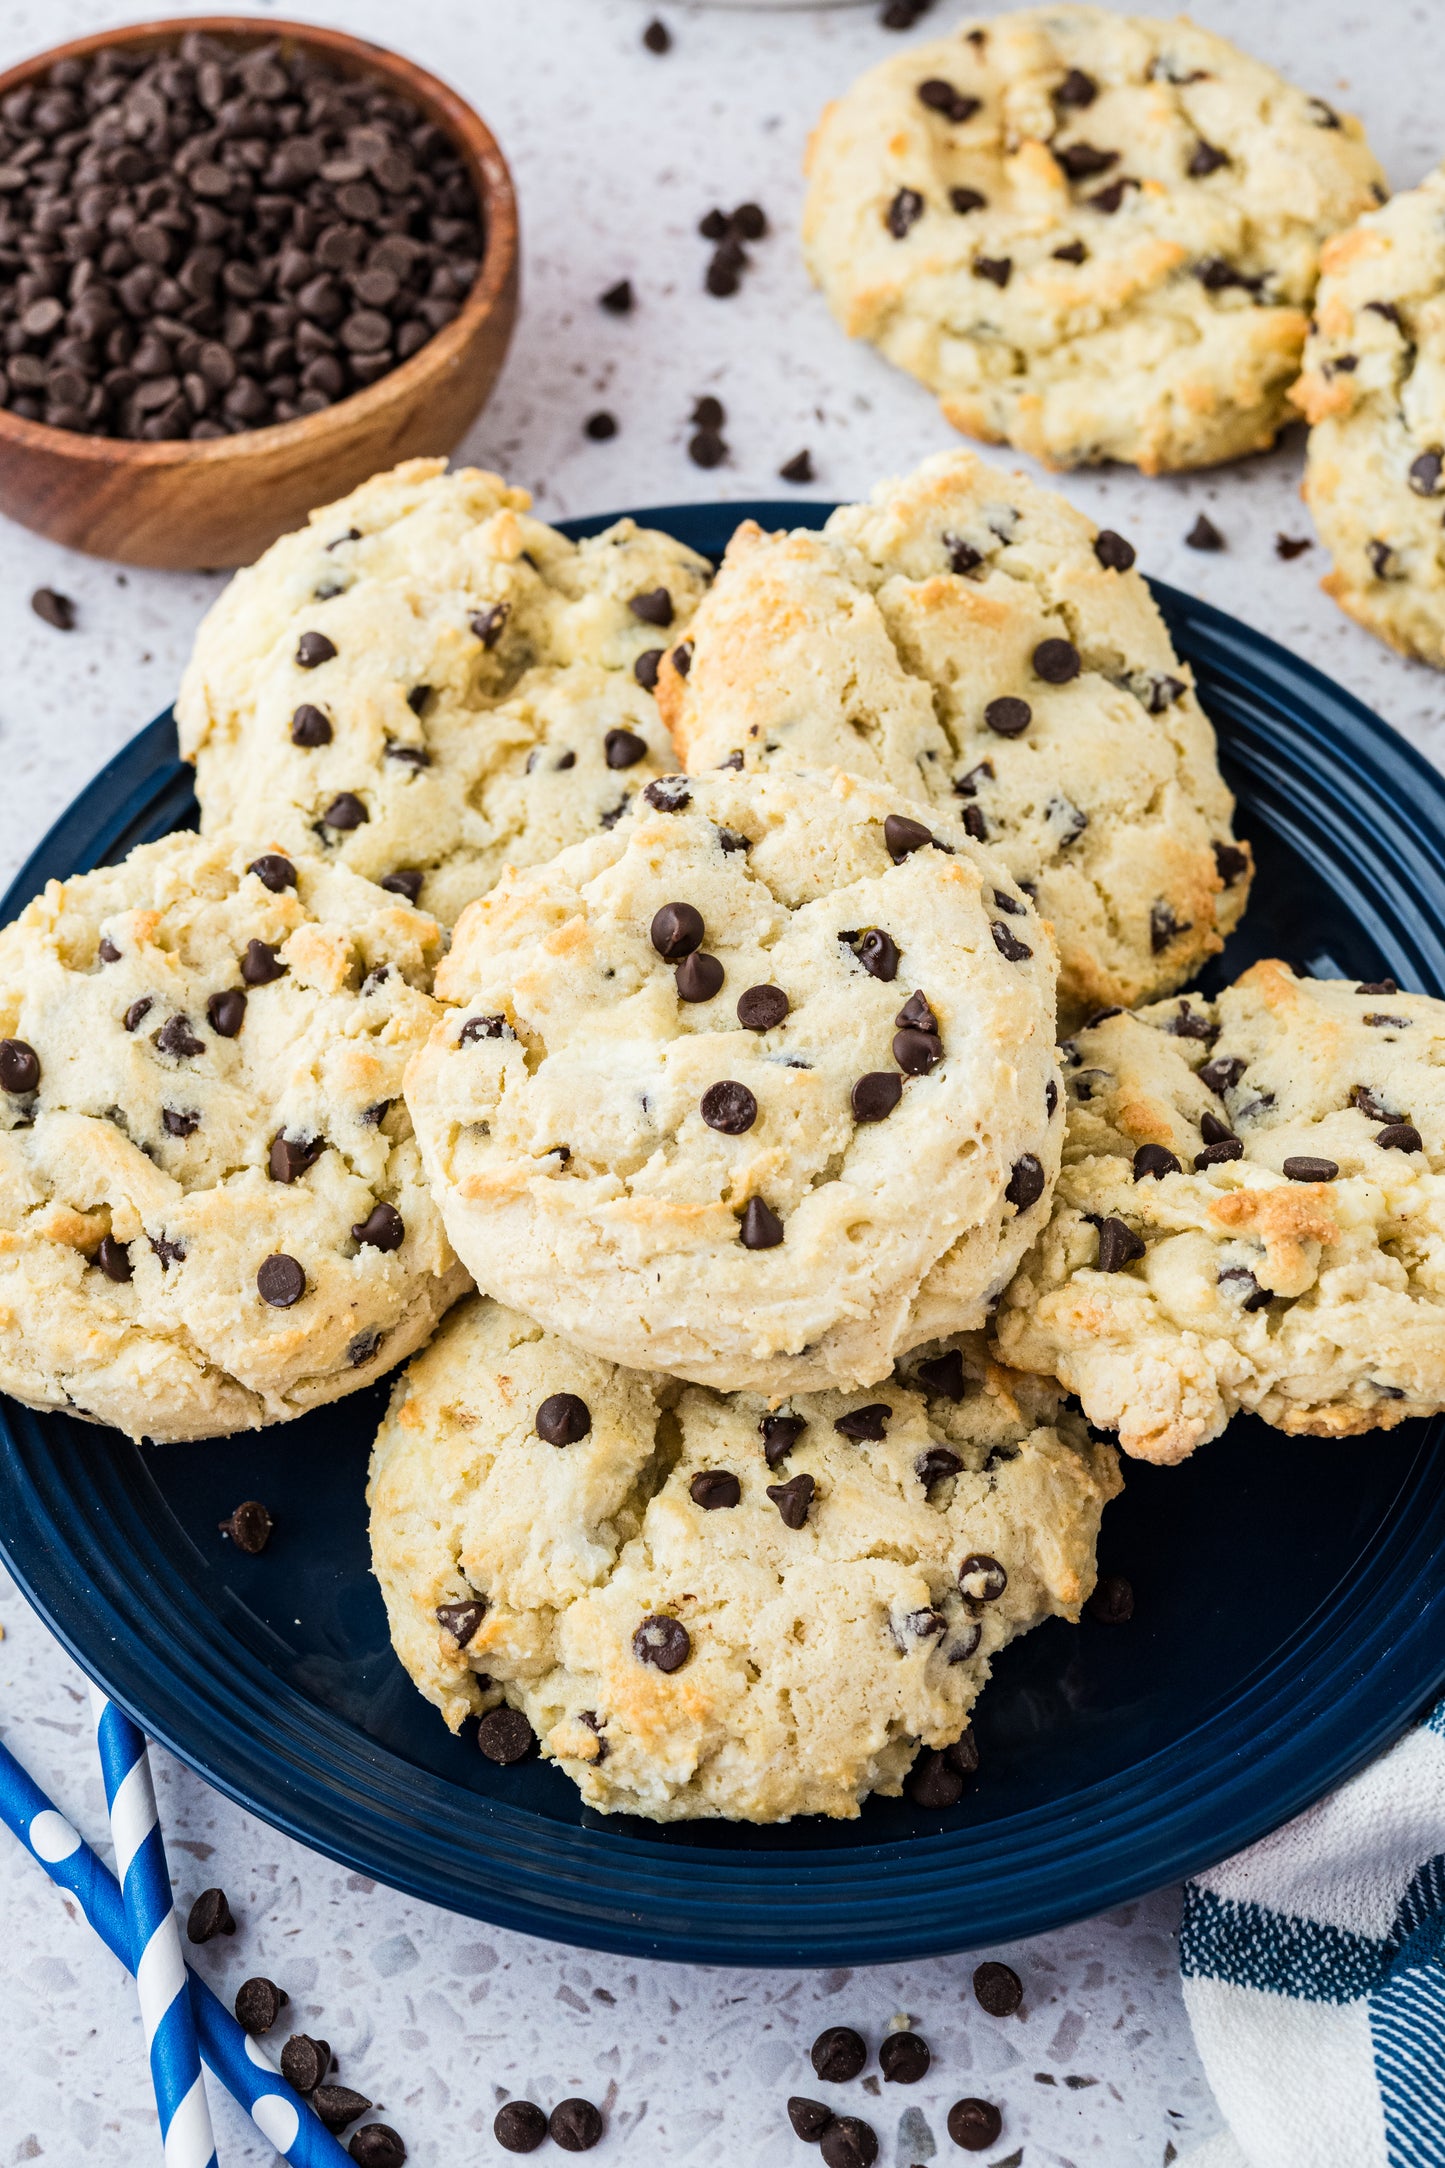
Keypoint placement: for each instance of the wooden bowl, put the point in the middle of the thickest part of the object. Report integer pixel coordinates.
(222, 501)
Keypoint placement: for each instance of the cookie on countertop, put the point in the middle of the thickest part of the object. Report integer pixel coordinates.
(970, 639)
(759, 1087)
(1094, 236)
(212, 1212)
(424, 684)
(1374, 390)
(1251, 1215)
(705, 1605)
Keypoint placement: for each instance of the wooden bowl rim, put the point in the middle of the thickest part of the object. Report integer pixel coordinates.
(447, 108)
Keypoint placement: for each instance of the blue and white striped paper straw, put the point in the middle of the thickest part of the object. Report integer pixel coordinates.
(241, 2064)
(155, 1938)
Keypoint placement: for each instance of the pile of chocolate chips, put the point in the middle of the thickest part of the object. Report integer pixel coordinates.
(210, 238)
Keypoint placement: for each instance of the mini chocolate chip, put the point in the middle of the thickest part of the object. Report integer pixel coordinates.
(699, 977)
(618, 301)
(1290, 546)
(962, 556)
(1425, 474)
(309, 727)
(134, 1017)
(382, 1229)
(1153, 1162)
(1008, 717)
(1232, 863)
(793, 1499)
(226, 1013)
(209, 1916)
(290, 1157)
(1186, 1026)
(936, 1464)
(169, 1253)
(1051, 1098)
(1205, 159)
(1399, 1137)
(1301, 1169)
(1112, 551)
(974, 822)
(259, 2002)
(55, 609)
(729, 1107)
(305, 2062)
(964, 200)
(809, 2118)
(1112, 1602)
(904, 212)
(942, 97)
(867, 1424)
(848, 2142)
(663, 1642)
(281, 1281)
(1015, 909)
(273, 872)
(657, 37)
(760, 1229)
(1026, 1183)
(974, 2124)
(677, 929)
(1164, 927)
(575, 2125)
(876, 951)
(963, 1754)
(997, 269)
(902, 836)
(1382, 560)
(1076, 89)
(1251, 1295)
(1081, 161)
(175, 1037)
(682, 657)
(780, 1434)
(405, 881)
(362, 1348)
(715, 1488)
(624, 748)
(998, 1988)
(461, 1619)
(916, 1015)
(982, 1579)
(705, 448)
(375, 2145)
(259, 967)
(931, 1783)
(1221, 1074)
(600, 426)
(874, 1096)
(1056, 661)
(1071, 252)
(1008, 944)
(345, 812)
(313, 649)
(1204, 535)
(563, 1419)
(903, 2058)
(797, 469)
(668, 794)
(646, 667)
(488, 624)
(917, 1052)
(109, 953)
(838, 2055)
(177, 1123)
(944, 1375)
(1374, 1109)
(113, 1259)
(1110, 199)
(505, 1736)
(1118, 1245)
(520, 2126)
(1214, 1131)
(762, 1008)
(654, 607)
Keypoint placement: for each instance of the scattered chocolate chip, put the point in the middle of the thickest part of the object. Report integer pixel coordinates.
(705, 448)
(793, 1499)
(762, 1008)
(169, 1253)
(1302, 1169)
(1205, 159)
(809, 2118)
(363, 1348)
(1110, 199)
(875, 1095)
(1223, 1073)
(1071, 252)
(876, 951)
(930, 1783)
(563, 1419)
(376, 2145)
(519, 2125)
(963, 558)
(917, 1053)
(998, 270)
(209, 1916)
(903, 2058)
(1051, 1098)
(902, 836)
(624, 748)
(1026, 1183)
(259, 967)
(133, 1018)
(1399, 1137)
(56, 609)
(1056, 661)
(848, 2142)
(646, 667)
(599, 427)
(1251, 1295)
(259, 2002)
(916, 1015)
(1232, 863)
(944, 1375)
(1289, 546)
(1382, 560)
(937, 1463)
(964, 200)
(109, 953)
(902, 14)
(682, 657)
(1377, 986)
(407, 881)
(941, 97)
(338, 2105)
(867, 1424)
(653, 608)
(175, 1038)
(179, 1123)
(1081, 161)
(715, 1488)
(998, 1988)
(1112, 1602)
(729, 1107)
(708, 412)
(313, 649)
(281, 1281)
(676, 930)
(780, 1434)
(904, 212)
(1118, 1245)
(290, 1157)
(1008, 717)
(113, 1259)
(618, 301)
(1204, 535)
(663, 1642)
(838, 2055)
(1112, 551)
(797, 469)
(1164, 927)
(382, 1229)
(1425, 473)
(505, 1736)
(1008, 944)
(974, 2124)
(461, 1619)
(305, 2062)
(1153, 1161)
(982, 1579)
(1076, 89)
(575, 2125)
(658, 39)
(488, 624)
(668, 794)
(761, 1229)
(309, 727)
(345, 812)
(699, 977)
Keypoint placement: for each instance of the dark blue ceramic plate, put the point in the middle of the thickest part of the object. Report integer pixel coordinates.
(1290, 1594)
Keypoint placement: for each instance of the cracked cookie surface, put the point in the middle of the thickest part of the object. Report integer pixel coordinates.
(1251, 1214)
(1094, 236)
(1373, 389)
(968, 638)
(212, 1213)
(758, 1088)
(808, 1644)
(425, 684)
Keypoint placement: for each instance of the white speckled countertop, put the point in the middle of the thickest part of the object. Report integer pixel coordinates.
(616, 155)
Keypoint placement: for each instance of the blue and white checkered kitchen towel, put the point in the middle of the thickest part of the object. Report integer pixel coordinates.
(1314, 1974)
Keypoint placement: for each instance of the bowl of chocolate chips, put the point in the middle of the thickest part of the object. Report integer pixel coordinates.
(241, 268)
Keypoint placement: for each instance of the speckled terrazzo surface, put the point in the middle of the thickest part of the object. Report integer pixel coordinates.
(616, 155)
